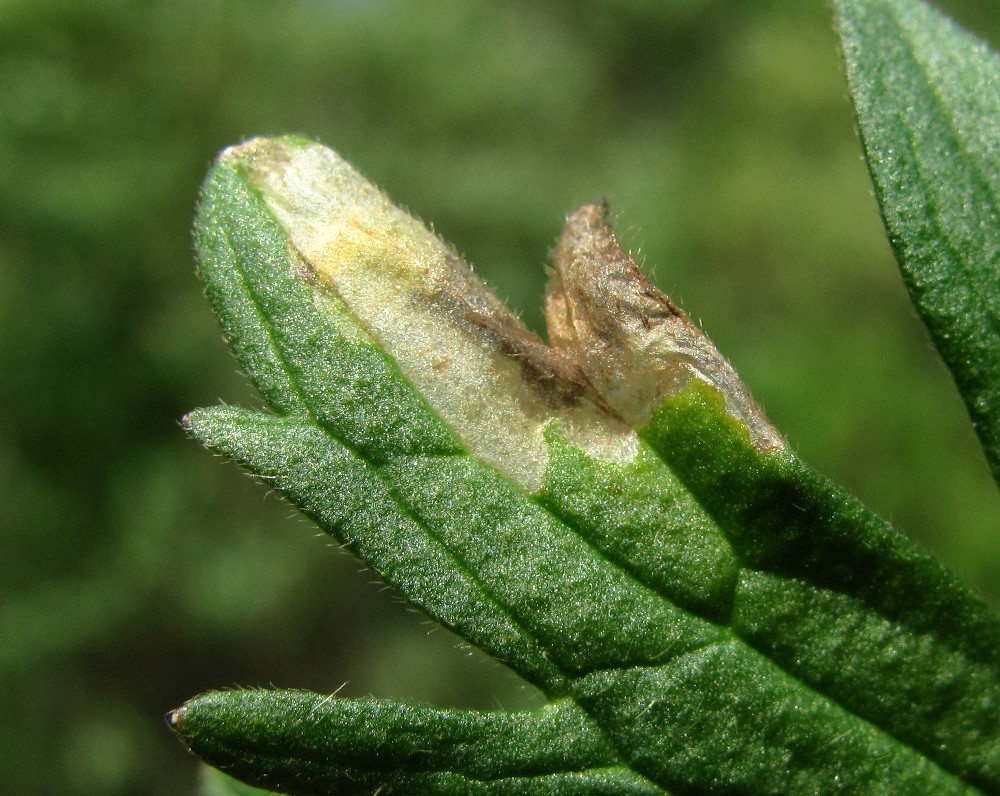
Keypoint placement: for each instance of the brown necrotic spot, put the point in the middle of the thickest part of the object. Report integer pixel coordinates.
(555, 377)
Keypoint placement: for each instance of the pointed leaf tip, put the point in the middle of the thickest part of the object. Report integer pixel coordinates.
(176, 717)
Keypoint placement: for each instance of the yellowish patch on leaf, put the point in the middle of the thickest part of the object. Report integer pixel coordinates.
(494, 382)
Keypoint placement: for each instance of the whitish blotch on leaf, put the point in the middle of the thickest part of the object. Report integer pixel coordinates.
(618, 344)
(494, 382)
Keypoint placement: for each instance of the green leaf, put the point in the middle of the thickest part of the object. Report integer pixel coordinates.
(612, 516)
(928, 108)
(371, 744)
(215, 783)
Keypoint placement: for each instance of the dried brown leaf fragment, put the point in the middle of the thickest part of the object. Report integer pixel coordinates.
(632, 342)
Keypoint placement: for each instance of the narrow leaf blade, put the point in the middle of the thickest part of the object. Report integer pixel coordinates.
(927, 102)
(297, 742)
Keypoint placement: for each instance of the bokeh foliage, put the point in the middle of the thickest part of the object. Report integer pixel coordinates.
(137, 570)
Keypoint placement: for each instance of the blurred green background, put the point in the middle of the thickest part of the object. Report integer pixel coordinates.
(138, 570)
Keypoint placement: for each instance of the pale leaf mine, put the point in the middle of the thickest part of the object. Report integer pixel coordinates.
(618, 344)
